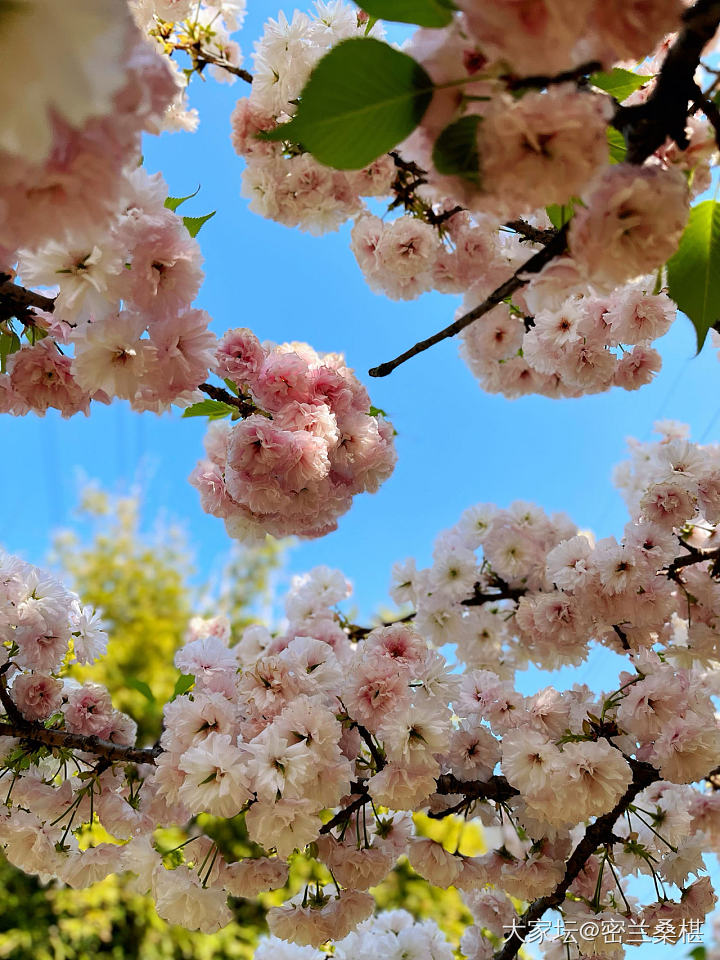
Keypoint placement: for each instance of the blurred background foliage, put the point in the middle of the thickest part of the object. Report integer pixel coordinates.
(142, 582)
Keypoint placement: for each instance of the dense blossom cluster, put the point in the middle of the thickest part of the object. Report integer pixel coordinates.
(123, 306)
(387, 936)
(588, 321)
(294, 465)
(297, 190)
(326, 737)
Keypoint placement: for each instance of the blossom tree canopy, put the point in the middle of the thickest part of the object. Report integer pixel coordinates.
(548, 160)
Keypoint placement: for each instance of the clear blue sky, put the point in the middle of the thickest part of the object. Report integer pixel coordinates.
(457, 446)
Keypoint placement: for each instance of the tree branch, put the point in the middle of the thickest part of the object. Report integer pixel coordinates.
(599, 832)
(37, 734)
(245, 406)
(541, 80)
(504, 592)
(14, 297)
(342, 817)
(9, 704)
(646, 126)
(356, 632)
(378, 758)
(518, 279)
(495, 788)
(710, 109)
(205, 58)
(695, 556)
(533, 234)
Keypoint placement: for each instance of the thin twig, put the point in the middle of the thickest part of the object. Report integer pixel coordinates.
(206, 58)
(518, 279)
(541, 80)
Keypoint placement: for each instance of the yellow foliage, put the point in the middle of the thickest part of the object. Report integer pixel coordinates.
(454, 833)
(141, 589)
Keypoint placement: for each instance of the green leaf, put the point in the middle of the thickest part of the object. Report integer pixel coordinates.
(213, 409)
(172, 203)
(698, 953)
(456, 150)
(377, 412)
(616, 143)
(9, 343)
(182, 685)
(370, 24)
(694, 271)
(194, 224)
(560, 215)
(232, 387)
(362, 99)
(619, 83)
(141, 687)
(425, 13)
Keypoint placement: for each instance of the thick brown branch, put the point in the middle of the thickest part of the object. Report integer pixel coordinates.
(599, 832)
(9, 704)
(504, 592)
(533, 234)
(695, 556)
(521, 276)
(622, 636)
(495, 788)
(14, 297)
(646, 126)
(36, 734)
(245, 406)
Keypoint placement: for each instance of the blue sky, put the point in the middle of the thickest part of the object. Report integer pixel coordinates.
(457, 446)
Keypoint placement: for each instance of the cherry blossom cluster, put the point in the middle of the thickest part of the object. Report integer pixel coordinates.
(201, 29)
(387, 936)
(296, 190)
(123, 307)
(312, 443)
(326, 736)
(588, 321)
